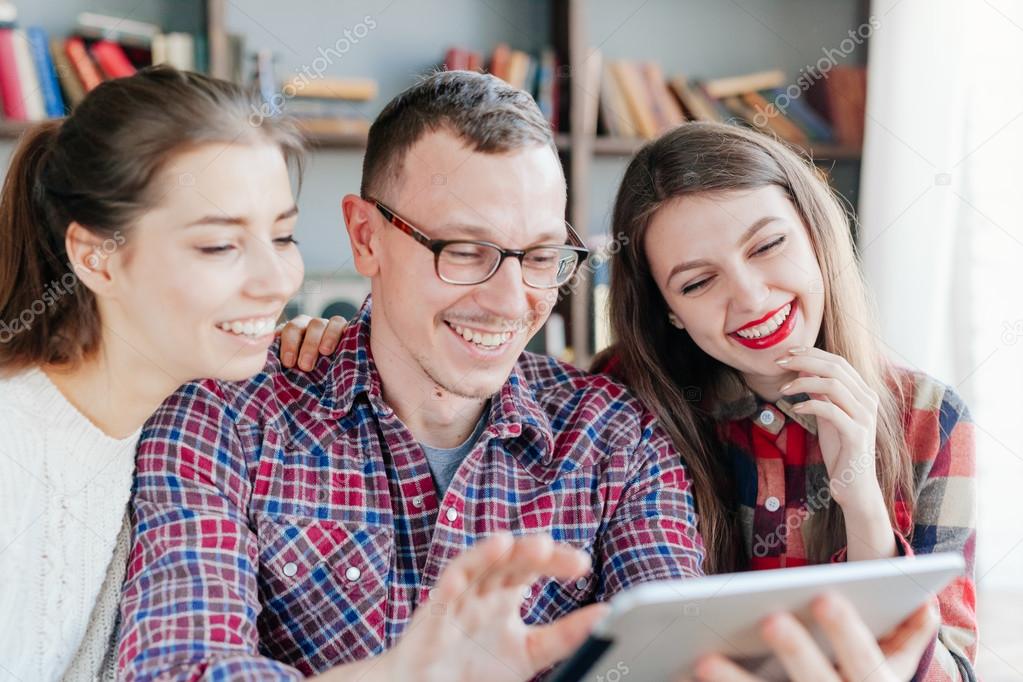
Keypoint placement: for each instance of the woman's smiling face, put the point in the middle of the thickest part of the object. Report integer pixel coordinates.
(739, 272)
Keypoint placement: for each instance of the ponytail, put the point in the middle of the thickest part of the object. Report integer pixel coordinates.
(45, 317)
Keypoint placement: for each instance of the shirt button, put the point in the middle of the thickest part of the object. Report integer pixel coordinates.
(353, 573)
(451, 514)
(290, 569)
(580, 583)
(417, 501)
(527, 591)
(767, 417)
(772, 504)
(432, 591)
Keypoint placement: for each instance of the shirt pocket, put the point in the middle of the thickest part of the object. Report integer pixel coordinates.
(323, 590)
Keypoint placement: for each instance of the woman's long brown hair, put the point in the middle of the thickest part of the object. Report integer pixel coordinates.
(672, 375)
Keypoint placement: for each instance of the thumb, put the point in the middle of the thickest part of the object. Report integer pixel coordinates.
(548, 644)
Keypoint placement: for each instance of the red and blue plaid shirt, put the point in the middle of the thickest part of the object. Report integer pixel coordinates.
(288, 524)
(782, 481)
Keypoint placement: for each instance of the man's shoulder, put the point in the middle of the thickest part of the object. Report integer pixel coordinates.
(582, 399)
(259, 399)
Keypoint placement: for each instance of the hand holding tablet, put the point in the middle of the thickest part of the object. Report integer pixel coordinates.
(660, 631)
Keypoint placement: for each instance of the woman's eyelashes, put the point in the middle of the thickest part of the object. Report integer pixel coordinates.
(769, 247)
(280, 242)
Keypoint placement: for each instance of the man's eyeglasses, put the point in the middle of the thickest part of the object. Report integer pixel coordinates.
(461, 261)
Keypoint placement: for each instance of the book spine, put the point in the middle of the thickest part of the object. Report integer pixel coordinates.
(10, 81)
(30, 86)
(53, 103)
(87, 72)
(112, 59)
(69, 83)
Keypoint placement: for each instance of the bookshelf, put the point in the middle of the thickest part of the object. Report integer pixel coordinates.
(410, 41)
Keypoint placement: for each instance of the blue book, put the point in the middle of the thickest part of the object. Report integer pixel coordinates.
(806, 118)
(39, 44)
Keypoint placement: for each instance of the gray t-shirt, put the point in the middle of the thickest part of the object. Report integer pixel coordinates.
(444, 461)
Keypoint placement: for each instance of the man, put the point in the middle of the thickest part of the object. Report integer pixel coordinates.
(357, 521)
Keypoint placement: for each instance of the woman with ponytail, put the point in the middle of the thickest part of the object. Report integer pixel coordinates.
(145, 241)
(740, 316)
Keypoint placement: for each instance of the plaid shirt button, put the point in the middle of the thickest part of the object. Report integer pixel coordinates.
(290, 569)
(772, 504)
(767, 418)
(417, 501)
(353, 573)
(451, 514)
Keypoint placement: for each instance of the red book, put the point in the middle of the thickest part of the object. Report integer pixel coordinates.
(111, 58)
(10, 83)
(87, 72)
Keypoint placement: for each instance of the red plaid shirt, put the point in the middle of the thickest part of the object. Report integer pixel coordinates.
(782, 480)
(287, 524)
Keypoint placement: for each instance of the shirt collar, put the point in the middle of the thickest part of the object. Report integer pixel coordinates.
(514, 415)
(731, 400)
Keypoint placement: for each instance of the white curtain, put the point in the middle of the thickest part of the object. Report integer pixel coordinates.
(941, 214)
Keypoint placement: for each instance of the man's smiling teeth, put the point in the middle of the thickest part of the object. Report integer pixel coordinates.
(485, 339)
(766, 328)
(255, 327)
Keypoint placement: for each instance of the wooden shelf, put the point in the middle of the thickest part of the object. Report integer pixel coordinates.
(627, 146)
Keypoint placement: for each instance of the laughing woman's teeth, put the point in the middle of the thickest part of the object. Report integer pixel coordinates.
(768, 327)
(254, 328)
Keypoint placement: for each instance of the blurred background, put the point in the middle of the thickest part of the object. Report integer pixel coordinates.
(913, 110)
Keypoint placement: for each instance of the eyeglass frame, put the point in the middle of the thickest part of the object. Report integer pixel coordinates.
(438, 245)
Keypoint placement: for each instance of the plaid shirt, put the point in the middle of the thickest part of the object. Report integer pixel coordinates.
(781, 480)
(288, 524)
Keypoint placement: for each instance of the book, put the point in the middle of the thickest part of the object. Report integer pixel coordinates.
(613, 109)
(349, 88)
(800, 113)
(69, 83)
(499, 61)
(111, 59)
(593, 69)
(634, 91)
(118, 29)
(355, 127)
(546, 87)
(841, 98)
(53, 102)
(770, 117)
(696, 104)
(10, 78)
(738, 85)
(88, 74)
(31, 91)
(266, 83)
(174, 49)
(669, 113)
(518, 69)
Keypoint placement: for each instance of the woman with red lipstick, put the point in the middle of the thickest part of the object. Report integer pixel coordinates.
(741, 317)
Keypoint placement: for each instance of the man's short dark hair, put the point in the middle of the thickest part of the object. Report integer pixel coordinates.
(484, 111)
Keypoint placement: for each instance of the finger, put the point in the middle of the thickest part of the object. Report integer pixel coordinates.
(799, 654)
(832, 413)
(521, 566)
(309, 354)
(858, 654)
(332, 334)
(548, 644)
(719, 669)
(905, 646)
(291, 339)
(836, 391)
(829, 366)
(465, 570)
(844, 364)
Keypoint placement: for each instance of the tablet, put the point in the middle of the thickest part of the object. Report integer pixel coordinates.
(656, 631)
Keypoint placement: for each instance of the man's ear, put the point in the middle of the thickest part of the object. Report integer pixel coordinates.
(88, 260)
(362, 233)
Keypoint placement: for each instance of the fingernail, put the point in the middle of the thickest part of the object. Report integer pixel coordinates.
(799, 407)
(289, 359)
(798, 349)
(307, 361)
(786, 387)
(784, 361)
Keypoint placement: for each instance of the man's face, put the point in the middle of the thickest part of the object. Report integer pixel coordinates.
(464, 338)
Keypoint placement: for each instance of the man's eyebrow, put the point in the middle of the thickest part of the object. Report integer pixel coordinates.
(746, 236)
(224, 219)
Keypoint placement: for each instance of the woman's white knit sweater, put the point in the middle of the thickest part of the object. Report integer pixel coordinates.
(64, 489)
